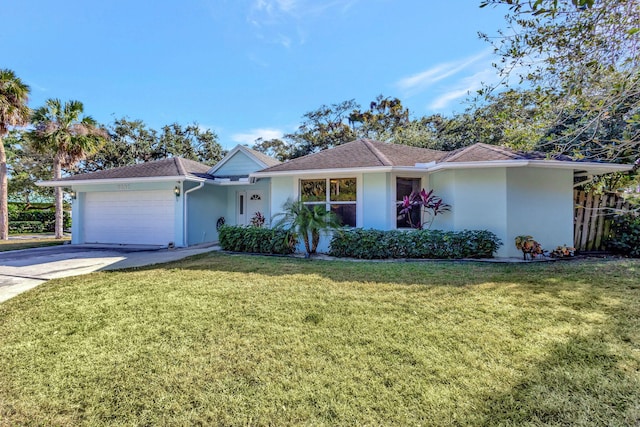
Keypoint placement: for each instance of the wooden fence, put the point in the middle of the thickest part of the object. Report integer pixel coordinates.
(592, 219)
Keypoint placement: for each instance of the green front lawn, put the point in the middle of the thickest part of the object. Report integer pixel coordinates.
(242, 340)
(16, 244)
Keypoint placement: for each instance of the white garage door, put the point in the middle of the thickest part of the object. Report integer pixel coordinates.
(129, 217)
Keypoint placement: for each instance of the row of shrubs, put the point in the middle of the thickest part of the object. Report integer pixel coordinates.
(433, 244)
(256, 240)
(27, 221)
(18, 227)
(368, 244)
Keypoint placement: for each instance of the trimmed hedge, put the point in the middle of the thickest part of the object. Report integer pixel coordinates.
(26, 227)
(432, 244)
(625, 239)
(46, 217)
(256, 240)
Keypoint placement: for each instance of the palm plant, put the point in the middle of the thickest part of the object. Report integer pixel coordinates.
(61, 131)
(13, 112)
(307, 222)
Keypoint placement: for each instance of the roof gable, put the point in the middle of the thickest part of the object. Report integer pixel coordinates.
(241, 161)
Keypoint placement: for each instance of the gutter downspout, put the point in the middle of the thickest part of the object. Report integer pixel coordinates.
(185, 217)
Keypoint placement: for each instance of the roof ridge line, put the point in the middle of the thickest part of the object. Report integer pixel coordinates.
(380, 156)
(456, 155)
(500, 149)
(179, 166)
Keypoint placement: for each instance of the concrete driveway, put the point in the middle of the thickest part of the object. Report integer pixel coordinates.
(25, 269)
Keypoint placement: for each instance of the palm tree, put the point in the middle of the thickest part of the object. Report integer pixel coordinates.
(307, 222)
(13, 112)
(61, 131)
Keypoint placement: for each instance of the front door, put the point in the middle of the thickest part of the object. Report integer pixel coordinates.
(255, 205)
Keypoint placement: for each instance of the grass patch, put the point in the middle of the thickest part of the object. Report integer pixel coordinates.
(13, 245)
(235, 340)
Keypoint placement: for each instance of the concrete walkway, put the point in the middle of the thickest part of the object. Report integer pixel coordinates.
(25, 269)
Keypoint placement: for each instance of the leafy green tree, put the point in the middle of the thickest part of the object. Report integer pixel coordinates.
(129, 142)
(384, 118)
(62, 131)
(336, 124)
(276, 148)
(582, 58)
(26, 167)
(323, 128)
(14, 111)
(190, 142)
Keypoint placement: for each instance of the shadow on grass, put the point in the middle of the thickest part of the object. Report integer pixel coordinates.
(582, 381)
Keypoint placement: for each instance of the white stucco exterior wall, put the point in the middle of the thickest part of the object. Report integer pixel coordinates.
(374, 201)
(509, 202)
(540, 204)
(477, 198)
(77, 218)
(282, 189)
(442, 185)
(205, 206)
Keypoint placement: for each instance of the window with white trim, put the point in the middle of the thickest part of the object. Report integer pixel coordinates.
(337, 195)
(404, 188)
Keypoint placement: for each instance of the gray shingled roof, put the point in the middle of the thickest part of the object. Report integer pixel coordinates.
(360, 153)
(484, 152)
(172, 167)
(367, 153)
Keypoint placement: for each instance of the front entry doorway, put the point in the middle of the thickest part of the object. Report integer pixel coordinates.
(248, 205)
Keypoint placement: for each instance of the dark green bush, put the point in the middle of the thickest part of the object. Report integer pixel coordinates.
(434, 244)
(46, 217)
(625, 235)
(26, 227)
(256, 240)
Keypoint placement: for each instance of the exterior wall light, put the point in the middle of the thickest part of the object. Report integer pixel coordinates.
(72, 194)
(176, 191)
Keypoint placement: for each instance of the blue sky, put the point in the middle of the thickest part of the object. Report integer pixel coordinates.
(246, 68)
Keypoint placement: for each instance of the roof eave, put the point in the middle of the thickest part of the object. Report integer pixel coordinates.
(329, 171)
(593, 167)
(71, 183)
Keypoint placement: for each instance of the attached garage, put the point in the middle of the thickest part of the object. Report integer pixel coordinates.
(129, 217)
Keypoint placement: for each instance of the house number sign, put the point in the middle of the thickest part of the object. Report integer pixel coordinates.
(124, 186)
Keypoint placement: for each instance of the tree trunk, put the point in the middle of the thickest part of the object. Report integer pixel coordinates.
(305, 238)
(57, 174)
(4, 208)
(315, 240)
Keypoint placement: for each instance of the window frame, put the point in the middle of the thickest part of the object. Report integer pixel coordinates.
(327, 202)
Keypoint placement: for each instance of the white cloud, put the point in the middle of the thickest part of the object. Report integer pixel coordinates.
(464, 87)
(284, 41)
(283, 20)
(287, 5)
(251, 136)
(421, 81)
